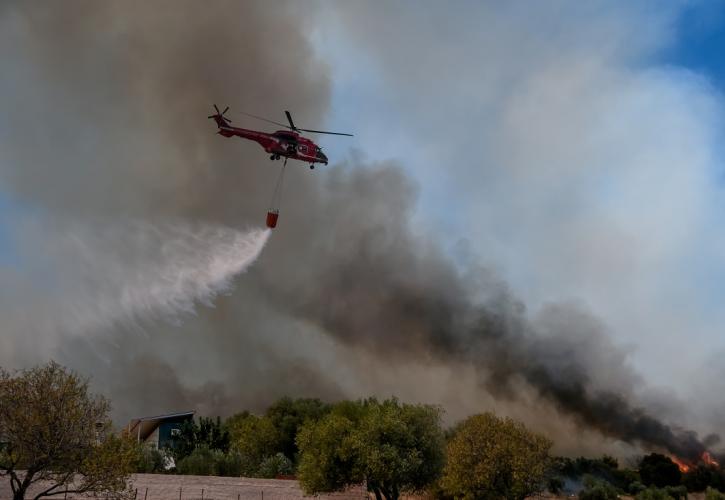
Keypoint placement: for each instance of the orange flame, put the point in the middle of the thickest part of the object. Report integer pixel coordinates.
(684, 468)
(707, 458)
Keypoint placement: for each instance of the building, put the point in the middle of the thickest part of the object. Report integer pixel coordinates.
(159, 431)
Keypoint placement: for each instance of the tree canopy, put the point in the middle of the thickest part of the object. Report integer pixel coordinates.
(394, 447)
(490, 457)
(55, 431)
(288, 415)
(659, 470)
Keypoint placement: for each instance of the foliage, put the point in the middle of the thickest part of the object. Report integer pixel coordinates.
(288, 415)
(713, 494)
(228, 464)
(254, 438)
(394, 447)
(703, 476)
(555, 485)
(597, 489)
(150, 460)
(326, 462)
(666, 493)
(204, 461)
(204, 433)
(636, 487)
(199, 462)
(276, 465)
(56, 431)
(491, 457)
(605, 468)
(659, 470)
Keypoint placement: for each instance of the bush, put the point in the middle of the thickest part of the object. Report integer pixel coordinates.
(228, 464)
(636, 487)
(653, 494)
(199, 462)
(676, 492)
(205, 462)
(276, 465)
(659, 470)
(595, 489)
(151, 460)
(713, 494)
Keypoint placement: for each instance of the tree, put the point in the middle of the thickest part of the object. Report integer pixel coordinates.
(597, 489)
(52, 428)
(254, 438)
(288, 415)
(394, 447)
(659, 470)
(207, 433)
(327, 462)
(491, 457)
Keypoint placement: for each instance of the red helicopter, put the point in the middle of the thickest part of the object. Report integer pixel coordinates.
(282, 143)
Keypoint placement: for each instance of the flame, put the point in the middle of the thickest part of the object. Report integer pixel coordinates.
(707, 458)
(684, 468)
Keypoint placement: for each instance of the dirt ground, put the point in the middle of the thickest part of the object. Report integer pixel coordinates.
(173, 487)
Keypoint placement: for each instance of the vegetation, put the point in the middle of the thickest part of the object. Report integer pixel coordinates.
(394, 447)
(659, 470)
(287, 416)
(491, 457)
(206, 433)
(52, 429)
(597, 489)
(55, 431)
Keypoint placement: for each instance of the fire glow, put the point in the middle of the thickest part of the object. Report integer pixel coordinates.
(706, 458)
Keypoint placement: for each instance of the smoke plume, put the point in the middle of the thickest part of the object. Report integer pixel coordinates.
(107, 118)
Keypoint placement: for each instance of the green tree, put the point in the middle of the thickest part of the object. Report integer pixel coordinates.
(659, 470)
(206, 432)
(276, 465)
(149, 459)
(597, 489)
(288, 415)
(491, 457)
(713, 494)
(327, 461)
(254, 438)
(55, 431)
(394, 447)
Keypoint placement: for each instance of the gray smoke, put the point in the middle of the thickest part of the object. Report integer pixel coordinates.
(106, 107)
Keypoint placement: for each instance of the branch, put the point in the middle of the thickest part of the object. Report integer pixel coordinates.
(48, 493)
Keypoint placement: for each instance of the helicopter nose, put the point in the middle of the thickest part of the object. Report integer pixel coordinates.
(321, 156)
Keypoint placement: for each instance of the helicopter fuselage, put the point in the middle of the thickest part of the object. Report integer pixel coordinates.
(282, 143)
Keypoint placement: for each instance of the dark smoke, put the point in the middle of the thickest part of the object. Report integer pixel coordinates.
(106, 115)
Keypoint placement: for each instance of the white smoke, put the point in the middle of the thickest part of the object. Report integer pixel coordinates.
(101, 273)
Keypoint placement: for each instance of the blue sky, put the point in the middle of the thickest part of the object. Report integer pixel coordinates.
(700, 41)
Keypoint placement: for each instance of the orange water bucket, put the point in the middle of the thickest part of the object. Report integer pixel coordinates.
(272, 217)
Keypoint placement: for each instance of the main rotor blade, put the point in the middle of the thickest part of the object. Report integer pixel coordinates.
(263, 119)
(217, 109)
(289, 119)
(323, 132)
(225, 110)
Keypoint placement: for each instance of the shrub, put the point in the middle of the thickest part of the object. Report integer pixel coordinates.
(713, 494)
(595, 489)
(199, 462)
(276, 465)
(151, 460)
(653, 494)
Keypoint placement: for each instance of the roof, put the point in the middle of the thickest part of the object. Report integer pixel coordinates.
(143, 427)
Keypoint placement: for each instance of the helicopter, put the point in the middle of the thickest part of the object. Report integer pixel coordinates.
(287, 144)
